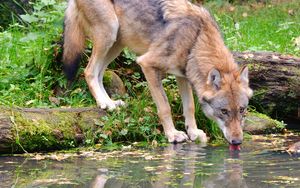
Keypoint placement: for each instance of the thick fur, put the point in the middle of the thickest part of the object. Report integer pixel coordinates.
(170, 36)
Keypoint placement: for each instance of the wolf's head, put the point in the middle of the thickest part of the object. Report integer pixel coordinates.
(225, 101)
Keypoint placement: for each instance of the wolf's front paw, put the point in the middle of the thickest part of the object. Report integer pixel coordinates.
(111, 105)
(197, 133)
(176, 136)
(119, 103)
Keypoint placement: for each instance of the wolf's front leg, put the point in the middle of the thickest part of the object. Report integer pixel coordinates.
(189, 110)
(153, 77)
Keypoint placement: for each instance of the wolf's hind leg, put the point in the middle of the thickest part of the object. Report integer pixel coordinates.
(111, 55)
(153, 77)
(96, 67)
(104, 31)
(189, 110)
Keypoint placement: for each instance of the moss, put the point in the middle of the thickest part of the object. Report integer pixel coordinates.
(107, 78)
(261, 123)
(65, 122)
(90, 125)
(251, 67)
(273, 122)
(260, 93)
(258, 96)
(41, 135)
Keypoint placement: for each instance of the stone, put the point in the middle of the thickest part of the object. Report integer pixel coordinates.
(257, 123)
(294, 148)
(113, 83)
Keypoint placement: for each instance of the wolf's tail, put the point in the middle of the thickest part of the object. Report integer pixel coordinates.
(74, 40)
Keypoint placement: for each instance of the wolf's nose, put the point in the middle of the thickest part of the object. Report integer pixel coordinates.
(236, 142)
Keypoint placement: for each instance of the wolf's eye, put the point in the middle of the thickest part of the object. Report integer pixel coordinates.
(242, 110)
(224, 111)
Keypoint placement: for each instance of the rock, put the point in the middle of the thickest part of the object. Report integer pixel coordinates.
(294, 148)
(79, 138)
(257, 123)
(113, 83)
(54, 100)
(58, 134)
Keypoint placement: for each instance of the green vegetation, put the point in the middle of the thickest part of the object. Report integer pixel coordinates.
(28, 72)
(273, 26)
(30, 66)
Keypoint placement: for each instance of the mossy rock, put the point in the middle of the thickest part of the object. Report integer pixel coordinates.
(113, 83)
(257, 123)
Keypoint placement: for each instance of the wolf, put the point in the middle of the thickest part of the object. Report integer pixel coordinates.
(175, 37)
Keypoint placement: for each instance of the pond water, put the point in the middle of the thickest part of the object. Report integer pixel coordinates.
(261, 163)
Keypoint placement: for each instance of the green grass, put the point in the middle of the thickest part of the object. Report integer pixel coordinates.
(30, 74)
(268, 27)
(27, 68)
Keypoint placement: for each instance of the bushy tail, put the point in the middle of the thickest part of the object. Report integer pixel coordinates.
(74, 40)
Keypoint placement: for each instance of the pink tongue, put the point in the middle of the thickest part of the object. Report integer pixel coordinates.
(234, 147)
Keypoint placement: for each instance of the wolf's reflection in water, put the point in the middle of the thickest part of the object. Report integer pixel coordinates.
(185, 165)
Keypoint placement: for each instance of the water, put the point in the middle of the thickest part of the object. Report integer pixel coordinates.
(261, 163)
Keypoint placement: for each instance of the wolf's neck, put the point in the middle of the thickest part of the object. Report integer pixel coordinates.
(208, 52)
(196, 76)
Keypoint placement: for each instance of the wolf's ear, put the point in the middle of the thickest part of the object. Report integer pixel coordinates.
(244, 75)
(214, 78)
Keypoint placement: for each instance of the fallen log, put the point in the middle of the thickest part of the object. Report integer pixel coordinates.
(275, 79)
(28, 130)
(23, 129)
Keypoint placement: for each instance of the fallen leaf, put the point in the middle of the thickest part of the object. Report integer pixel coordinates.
(297, 41)
(149, 168)
(291, 12)
(127, 120)
(275, 57)
(29, 102)
(154, 143)
(148, 157)
(39, 157)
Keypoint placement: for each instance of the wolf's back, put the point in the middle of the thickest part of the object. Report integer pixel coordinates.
(74, 39)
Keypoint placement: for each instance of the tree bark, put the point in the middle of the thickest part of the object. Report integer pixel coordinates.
(275, 79)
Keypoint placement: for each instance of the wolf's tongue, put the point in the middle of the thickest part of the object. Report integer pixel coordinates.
(234, 147)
